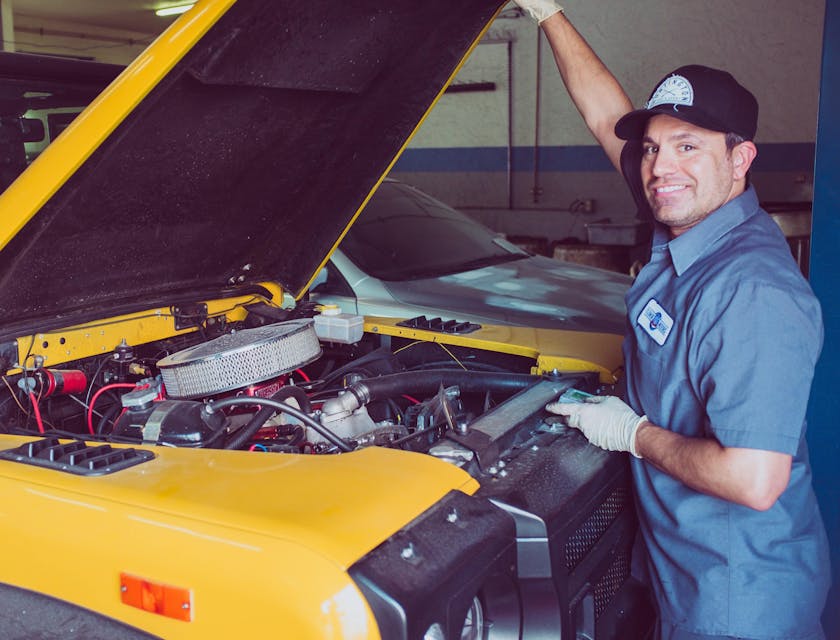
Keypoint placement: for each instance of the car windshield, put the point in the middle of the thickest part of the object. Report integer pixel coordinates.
(405, 234)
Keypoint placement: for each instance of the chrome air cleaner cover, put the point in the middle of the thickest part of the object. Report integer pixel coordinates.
(235, 360)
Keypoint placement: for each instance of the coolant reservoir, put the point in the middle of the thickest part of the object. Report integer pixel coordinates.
(333, 326)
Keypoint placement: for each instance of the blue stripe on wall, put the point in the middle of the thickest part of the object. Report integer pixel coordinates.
(793, 156)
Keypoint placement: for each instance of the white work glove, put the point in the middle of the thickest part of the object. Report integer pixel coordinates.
(539, 10)
(606, 421)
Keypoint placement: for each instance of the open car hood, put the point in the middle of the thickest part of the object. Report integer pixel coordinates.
(236, 150)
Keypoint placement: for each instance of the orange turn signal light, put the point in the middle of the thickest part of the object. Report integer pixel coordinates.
(155, 597)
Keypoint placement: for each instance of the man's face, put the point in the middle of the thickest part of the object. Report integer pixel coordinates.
(687, 172)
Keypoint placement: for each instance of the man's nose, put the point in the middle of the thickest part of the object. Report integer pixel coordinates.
(664, 163)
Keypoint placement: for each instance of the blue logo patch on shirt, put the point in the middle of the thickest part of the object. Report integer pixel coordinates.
(655, 321)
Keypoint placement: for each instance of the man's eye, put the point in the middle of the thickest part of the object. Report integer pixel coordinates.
(687, 147)
(649, 150)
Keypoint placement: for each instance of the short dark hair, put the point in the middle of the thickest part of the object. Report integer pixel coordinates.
(733, 140)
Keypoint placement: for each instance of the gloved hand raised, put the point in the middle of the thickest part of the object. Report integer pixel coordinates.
(606, 421)
(539, 10)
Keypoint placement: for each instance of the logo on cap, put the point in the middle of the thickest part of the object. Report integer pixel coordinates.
(673, 90)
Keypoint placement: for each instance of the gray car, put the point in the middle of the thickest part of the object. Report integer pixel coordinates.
(409, 254)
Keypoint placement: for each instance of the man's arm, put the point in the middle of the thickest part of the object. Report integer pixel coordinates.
(595, 92)
(598, 96)
(751, 477)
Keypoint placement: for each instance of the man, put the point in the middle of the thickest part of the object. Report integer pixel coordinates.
(722, 339)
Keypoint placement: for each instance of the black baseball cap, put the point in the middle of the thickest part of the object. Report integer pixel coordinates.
(699, 95)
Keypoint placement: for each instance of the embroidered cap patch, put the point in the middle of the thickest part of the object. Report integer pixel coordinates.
(675, 90)
(656, 322)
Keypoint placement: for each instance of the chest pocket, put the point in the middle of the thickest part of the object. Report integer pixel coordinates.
(646, 377)
(662, 387)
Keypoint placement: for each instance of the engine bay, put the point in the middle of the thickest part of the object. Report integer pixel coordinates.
(267, 385)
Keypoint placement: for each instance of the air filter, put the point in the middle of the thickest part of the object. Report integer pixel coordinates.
(236, 360)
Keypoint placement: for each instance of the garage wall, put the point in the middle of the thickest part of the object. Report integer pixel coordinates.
(49, 37)
(547, 162)
(507, 145)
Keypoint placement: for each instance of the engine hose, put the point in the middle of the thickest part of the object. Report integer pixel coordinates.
(430, 381)
(109, 415)
(247, 432)
(377, 354)
(283, 408)
(298, 436)
(472, 366)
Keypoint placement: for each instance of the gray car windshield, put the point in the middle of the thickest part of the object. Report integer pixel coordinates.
(405, 234)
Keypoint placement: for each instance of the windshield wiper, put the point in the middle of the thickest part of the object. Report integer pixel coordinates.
(488, 261)
(438, 271)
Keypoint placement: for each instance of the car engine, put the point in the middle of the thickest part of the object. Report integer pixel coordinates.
(271, 388)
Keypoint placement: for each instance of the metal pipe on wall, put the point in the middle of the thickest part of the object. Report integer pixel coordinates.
(508, 40)
(81, 35)
(510, 125)
(7, 23)
(536, 190)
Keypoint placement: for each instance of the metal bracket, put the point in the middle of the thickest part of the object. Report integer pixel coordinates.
(189, 315)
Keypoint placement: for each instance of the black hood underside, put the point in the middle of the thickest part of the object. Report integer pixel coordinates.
(245, 163)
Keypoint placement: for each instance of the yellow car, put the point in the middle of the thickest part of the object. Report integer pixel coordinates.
(183, 457)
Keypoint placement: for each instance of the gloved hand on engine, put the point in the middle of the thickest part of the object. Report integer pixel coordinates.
(606, 421)
(539, 10)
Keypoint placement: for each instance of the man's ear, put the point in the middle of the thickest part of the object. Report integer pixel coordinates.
(743, 155)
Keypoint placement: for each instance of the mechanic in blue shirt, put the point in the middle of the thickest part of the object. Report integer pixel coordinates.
(723, 336)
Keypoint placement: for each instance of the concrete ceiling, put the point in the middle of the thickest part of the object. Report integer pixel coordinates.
(130, 15)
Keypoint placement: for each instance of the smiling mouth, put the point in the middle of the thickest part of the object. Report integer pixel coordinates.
(669, 189)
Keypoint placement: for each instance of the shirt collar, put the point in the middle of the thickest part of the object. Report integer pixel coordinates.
(687, 248)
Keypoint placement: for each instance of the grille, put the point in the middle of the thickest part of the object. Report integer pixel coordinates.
(611, 581)
(236, 360)
(582, 540)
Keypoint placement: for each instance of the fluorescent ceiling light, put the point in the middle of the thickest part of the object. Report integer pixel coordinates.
(175, 10)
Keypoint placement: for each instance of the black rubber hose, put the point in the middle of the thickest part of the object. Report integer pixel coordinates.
(243, 435)
(469, 365)
(109, 415)
(284, 408)
(377, 354)
(295, 434)
(430, 381)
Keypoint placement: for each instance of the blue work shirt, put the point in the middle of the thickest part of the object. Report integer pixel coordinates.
(723, 338)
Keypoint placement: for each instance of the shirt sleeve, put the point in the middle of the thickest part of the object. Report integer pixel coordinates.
(755, 363)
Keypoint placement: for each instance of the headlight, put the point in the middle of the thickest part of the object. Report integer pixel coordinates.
(474, 622)
(435, 632)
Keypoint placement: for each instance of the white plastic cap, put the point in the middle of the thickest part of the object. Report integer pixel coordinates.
(330, 309)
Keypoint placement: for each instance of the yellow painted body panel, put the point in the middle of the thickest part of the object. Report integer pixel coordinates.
(103, 336)
(550, 348)
(262, 540)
